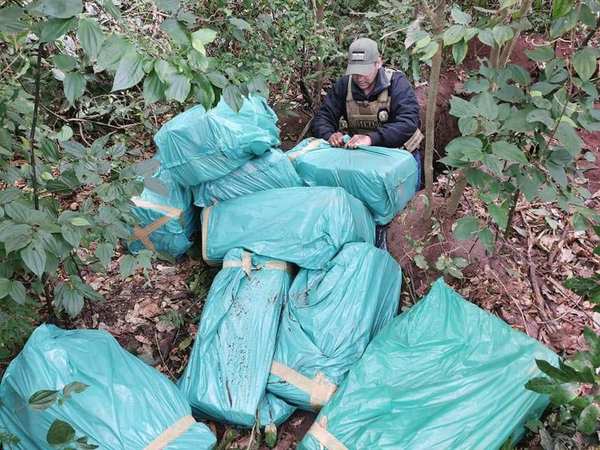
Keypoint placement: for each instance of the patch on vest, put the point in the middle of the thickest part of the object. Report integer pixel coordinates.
(383, 115)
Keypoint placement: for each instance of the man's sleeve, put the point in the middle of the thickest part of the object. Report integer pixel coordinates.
(404, 116)
(327, 119)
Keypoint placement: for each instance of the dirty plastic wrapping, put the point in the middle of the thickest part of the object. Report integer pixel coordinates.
(198, 146)
(330, 318)
(271, 170)
(126, 405)
(444, 375)
(165, 223)
(384, 179)
(302, 225)
(229, 365)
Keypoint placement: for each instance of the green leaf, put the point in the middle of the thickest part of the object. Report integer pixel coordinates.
(541, 54)
(52, 29)
(111, 8)
(43, 399)
(592, 339)
(201, 38)
(541, 385)
(111, 52)
(179, 88)
(584, 62)
(130, 71)
(79, 222)
(4, 287)
(502, 34)
(65, 62)
(153, 88)
(17, 292)
(462, 108)
(168, 5)
(588, 419)
(561, 8)
(564, 24)
(465, 227)
(564, 393)
(459, 16)
(271, 435)
(499, 214)
(508, 152)
(487, 239)
(74, 86)
(568, 137)
(10, 20)
(74, 388)
(34, 258)
(15, 237)
(61, 9)
(203, 91)
(90, 36)
(453, 34)
(430, 49)
(104, 253)
(233, 97)
(68, 299)
(541, 115)
(467, 125)
(127, 266)
(421, 262)
(459, 51)
(486, 37)
(164, 70)
(476, 85)
(487, 106)
(240, 24)
(217, 79)
(71, 235)
(176, 30)
(60, 433)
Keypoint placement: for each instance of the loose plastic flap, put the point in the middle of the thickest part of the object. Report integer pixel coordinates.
(198, 146)
(126, 406)
(305, 226)
(330, 318)
(165, 223)
(230, 361)
(444, 375)
(271, 170)
(385, 179)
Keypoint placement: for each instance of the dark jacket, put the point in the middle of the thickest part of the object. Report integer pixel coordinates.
(404, 110)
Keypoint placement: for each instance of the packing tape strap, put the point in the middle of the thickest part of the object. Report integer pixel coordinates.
(173, 213)
(143, 234)
(320, 389)
(171, 433)
(246, 264)
(319, 431)
(312, 145)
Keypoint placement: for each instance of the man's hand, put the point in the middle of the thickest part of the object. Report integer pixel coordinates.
(336, 139)
(358, 140)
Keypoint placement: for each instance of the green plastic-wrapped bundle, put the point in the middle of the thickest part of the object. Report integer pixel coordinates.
(305, 226)
(384, 179)
(330, 318)
(198, 146)
(229, 365)
(127, 404)
(271, 170)
(165, 223)
(443, 375)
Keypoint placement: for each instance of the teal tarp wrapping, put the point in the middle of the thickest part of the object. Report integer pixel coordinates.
(443, 375)
(305, 226)
(127, 405)
(269, 171)
(385, 179)
(229, 366)
(197, 146)
(165, 224)
(330, 318)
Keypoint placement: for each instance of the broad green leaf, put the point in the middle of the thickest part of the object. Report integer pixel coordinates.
(508, 152)
(467, 125)
(561, 8)
(17, 292)
(203, 91)
(217, 79)
(240, 24)
(233, 97)
(487, 106)
(421, 262)
(52, 29)
(486, 37)
(568, 137)
(60, 433)
(19, 212)
(459, 16)
(502, 34)
(453, 34)
(588, 419)
(462, 108)
(43, 399)
(510, 93)
(10, 20)
(4, 287)
(428, 52)
(176, 30)
(79, 222)
(153, 88)
(558, 173)
(15, 237)
(127, 266)
(74, 86)
(72, 235)
(465, 227)
(499, 213)
(168, 5)
(487, 239)
(541, 54)
(164, 70)
(201, 38)
(68, 299)
(520, 75)
(584, 62)
(61, 9)
(541, 115)
(130, 71)
(111, 8)
(179, 88)
(459, 51)
(541, 385)
(104, 253)
(542, 88)
(564, 24)
(34, 258)
(65, 62)
(476, 85)
(90, 36)
(113, 49)
(197, 61)
(564, 393)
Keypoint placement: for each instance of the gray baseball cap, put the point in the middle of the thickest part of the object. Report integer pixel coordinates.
(363, 53)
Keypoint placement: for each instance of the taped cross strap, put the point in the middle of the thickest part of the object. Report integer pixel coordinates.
(320, 389)
(314, 144)
(246, 264)
(318, 430)
(414, 141)
(143, 234)
(171, 433)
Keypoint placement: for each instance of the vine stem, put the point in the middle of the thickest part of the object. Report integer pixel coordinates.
(36, 200)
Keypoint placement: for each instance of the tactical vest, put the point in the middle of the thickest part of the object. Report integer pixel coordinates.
(364, 116)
